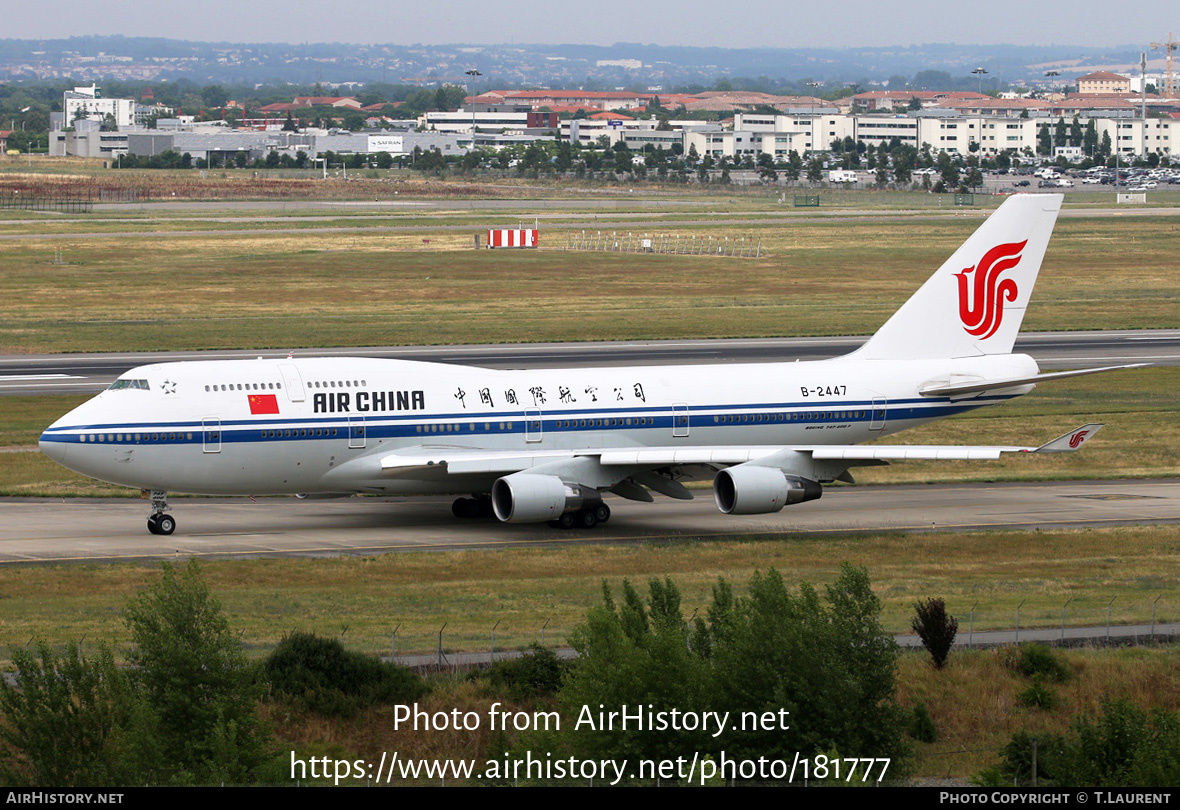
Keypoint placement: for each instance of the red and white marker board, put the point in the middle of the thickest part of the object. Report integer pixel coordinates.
(512, 237)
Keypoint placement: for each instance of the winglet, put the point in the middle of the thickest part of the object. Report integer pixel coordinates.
(1070, 441)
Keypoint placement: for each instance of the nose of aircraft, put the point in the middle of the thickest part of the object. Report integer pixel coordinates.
(53, 443)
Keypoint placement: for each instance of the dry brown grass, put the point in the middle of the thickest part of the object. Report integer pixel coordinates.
(975, 707)
(263, 290)
(471, 591)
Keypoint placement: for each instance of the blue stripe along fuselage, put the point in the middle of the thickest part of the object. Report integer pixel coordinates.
(410, 425)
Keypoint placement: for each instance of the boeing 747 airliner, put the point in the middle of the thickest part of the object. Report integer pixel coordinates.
(537, 446)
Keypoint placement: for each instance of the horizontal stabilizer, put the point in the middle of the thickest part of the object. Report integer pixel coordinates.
(979, 386)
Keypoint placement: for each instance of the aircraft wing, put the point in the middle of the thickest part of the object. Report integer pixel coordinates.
(466, 461)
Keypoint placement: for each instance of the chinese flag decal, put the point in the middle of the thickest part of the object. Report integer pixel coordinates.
(263, 403)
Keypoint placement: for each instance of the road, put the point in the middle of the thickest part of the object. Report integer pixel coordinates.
(90, 373)
(84, 529)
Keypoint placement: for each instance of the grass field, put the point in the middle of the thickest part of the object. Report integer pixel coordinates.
(284, 290)
(523, 588)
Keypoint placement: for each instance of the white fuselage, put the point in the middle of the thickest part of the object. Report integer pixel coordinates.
(323, 425)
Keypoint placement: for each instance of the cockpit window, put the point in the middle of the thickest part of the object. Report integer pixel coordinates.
(118, 385)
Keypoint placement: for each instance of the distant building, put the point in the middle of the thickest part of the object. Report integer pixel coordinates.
(1103, 81)
(85, 103)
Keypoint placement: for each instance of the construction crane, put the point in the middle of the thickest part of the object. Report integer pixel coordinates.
(1168, 47)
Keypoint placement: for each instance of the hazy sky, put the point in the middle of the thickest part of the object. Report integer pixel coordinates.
(735, 24)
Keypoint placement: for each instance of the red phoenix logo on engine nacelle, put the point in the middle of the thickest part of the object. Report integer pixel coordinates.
(1077, 439)
(981, 298)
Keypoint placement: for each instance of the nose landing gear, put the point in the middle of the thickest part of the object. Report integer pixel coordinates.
(159, 522)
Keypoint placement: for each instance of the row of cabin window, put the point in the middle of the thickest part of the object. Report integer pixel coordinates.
(305, 432)
(273, 386)
(809, 416)
(245, 387)
(336, 384)
(136, 437)
(617, 422)
(450, 427)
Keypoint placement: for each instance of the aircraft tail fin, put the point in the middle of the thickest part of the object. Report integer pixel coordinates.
(974, 304)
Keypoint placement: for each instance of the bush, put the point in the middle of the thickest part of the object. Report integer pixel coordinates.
(922, 725)
(1037, 695)
(191, 675)
(1122, 745)
(329, 680)
(1039, 659)
(936, 628)
(536, 673)
(65, 720)
(822, 661)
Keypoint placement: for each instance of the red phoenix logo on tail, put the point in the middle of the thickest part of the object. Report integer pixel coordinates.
(981, 298)
(1077, 439)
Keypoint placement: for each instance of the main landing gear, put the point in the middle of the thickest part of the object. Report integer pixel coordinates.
(471, 508)
(160, 522)
(583, 518)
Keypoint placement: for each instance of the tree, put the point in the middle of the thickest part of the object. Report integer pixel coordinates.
(65, 720)
(882, 167)
(214, 95)
(1090, 138)
(936, 628)
(815, 169)
(820, 664)
(1044, 140)
(794, 166)
(632, 652)
(948, 169)
(196, 681)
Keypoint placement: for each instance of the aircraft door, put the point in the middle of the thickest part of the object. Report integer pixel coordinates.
(680, 420)
(293, 382)
(356, 432)
(878, 419)
(211, 435)
(532, 425)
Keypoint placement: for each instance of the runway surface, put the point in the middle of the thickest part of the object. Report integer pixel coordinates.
(90, 373)
(48, 530)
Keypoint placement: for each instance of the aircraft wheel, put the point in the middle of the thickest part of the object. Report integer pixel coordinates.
(588, 519)
(555, 524)
(165, 524)
(465, 508)
(154, 524)
(567, 520)
(602, 512)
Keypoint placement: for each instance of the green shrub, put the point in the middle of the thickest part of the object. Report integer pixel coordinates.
(536, 673)
(1037, 695)
(922, 725)
(321, 675)
(1039, 659)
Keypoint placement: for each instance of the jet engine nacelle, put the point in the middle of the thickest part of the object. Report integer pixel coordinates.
(749, 490)
(532, 498)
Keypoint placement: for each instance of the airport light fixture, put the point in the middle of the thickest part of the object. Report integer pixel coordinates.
(471, 74)
(1052, 129)
(813, 85)
(980, 72)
